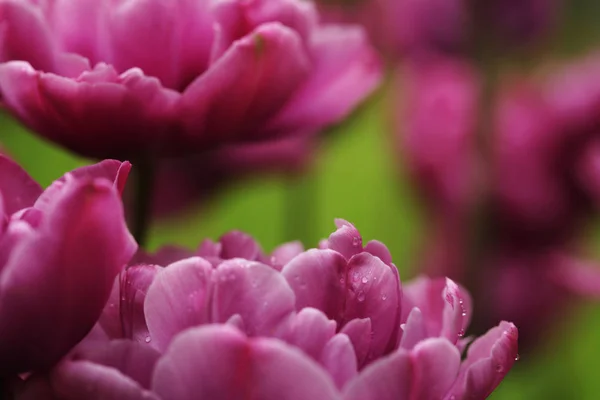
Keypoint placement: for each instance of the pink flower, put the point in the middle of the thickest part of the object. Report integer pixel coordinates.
(60, 251)
(327, 326)
(143, 78)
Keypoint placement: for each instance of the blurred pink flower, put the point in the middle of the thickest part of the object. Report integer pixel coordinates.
(60, 251)
(408, 27)
(327, 326)
(138, 79)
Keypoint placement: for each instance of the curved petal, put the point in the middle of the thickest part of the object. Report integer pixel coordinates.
(18, 189)
(310, 330)
(86, 380)
(339, 359)
(178, 298)
(318, 278)
(436, 364)
(373, 292)
(489, 359)
(112, 170)
(80, 246)
(239, 244)
(218, 362)
(346, 240)
(359, 332)
(258, 293)
(346, 69)
(25, 36)
(245, 86)
(132, 359)
(121, 115)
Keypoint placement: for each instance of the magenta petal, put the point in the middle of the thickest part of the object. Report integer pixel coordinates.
(284, 253)
(339, 359)
(80, 246)
(218, 362)
(359, 333)
(112, 170)
(374, 292)
(346, 69)
(177, 299)
(388, 378)
(246, 85)
(310, 330)
(257, 292)
(239, 244)
(18, 189)
(489, 359)
(436, 363)
(318, 277)
(85, 380)
(132, 359)
(25, 36)
(380, 250)
(413, 330)
(346, 240)
(579, 276)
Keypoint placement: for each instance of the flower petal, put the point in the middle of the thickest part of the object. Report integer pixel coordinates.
(339, 359)
(310, 330)
(245, 86)
(257, 292)
(177, 299)
(80, 246)
(218, 362)
(18, 189)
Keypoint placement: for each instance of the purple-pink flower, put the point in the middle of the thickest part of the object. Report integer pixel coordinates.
(331, 323)
(132, 79)
(60, 251)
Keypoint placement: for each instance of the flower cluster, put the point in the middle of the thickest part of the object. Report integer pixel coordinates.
(226, 321)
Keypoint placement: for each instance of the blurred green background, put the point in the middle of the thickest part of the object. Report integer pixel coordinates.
(359, 177)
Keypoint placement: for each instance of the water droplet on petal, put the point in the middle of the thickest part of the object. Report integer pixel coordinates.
(355, 276)
(461, 333)
(365, 279)
(342, 280)
(360, 296)
(499, 368)
(148, 339)
(383, 296)
(355, 241)
(517, 357)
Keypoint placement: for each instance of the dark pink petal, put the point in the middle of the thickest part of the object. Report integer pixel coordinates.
(359, 332)
(413, 330)
(57, 280)
(318, 278)
(239, 244)
(18, 189)
(284, 253)
(76, 380)
(133, 287)
(245, 86)
(339, 359)
(177, 299)
(236, 19)
(218, 362)
(37, 387)
(25, 36)
(446, 308)
(258, 293)
(163, 256)
(436, 363)
(489, 359)
(374, 292)
(346, 240)
(380, 250)
(132, 359)
(388, 378)
(346, 69)
(112, 170)
(122, 115)
(310, 330)
(427, 372)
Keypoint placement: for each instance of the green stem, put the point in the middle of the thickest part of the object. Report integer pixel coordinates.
(144, 176)
(300, 209)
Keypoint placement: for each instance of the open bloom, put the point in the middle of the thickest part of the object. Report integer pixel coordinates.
(141, 78)
(60, 251)
(328, 325)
